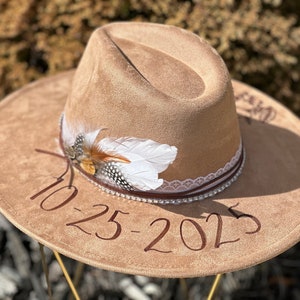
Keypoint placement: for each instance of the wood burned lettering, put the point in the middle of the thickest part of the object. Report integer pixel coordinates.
(201, 242)
(254, 107)
(104, 209)
(54, 199)
(162, 228)
(82, 152)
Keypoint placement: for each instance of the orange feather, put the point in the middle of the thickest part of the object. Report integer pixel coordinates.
(87, 165)
(100, 156)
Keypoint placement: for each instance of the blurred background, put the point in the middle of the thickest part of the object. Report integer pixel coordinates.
(259, 41)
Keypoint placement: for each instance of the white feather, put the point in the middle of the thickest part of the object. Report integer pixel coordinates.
(159, 155)
(147, 159)
(89, 138)
(67, 135)
(140, 173)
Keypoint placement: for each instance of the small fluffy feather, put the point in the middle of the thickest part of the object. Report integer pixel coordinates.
(69, 133)
(89, 138)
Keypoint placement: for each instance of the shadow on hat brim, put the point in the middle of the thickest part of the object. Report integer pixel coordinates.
(271, 168)
(252, 221)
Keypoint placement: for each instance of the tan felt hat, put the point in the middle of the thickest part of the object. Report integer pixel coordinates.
(149, 160)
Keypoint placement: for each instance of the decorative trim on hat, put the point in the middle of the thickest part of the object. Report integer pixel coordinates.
(207, 190)
(128, 167)
(191, 183)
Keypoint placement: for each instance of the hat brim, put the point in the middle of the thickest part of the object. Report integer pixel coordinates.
(253, 220)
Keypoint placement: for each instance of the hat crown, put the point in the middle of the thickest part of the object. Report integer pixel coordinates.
(162, 83)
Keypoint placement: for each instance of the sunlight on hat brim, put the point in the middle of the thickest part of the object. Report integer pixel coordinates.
(252, 221)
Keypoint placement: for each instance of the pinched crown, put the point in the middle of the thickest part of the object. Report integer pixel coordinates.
(158, 83)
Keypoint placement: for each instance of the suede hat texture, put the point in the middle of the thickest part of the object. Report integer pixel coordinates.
(95, 160)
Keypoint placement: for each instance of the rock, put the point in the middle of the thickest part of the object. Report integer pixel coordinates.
(141, 280)
(8, 287)
(55, 271)
(131, 290)
(152, 289)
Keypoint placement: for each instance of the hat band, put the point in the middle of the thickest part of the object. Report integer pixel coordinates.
(128, 167)
(208, 189)
(177, 191)
(188, 184)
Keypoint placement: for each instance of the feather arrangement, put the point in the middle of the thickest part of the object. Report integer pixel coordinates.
(128, 162)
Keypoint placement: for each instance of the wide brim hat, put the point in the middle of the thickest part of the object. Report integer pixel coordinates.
(249, 218)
